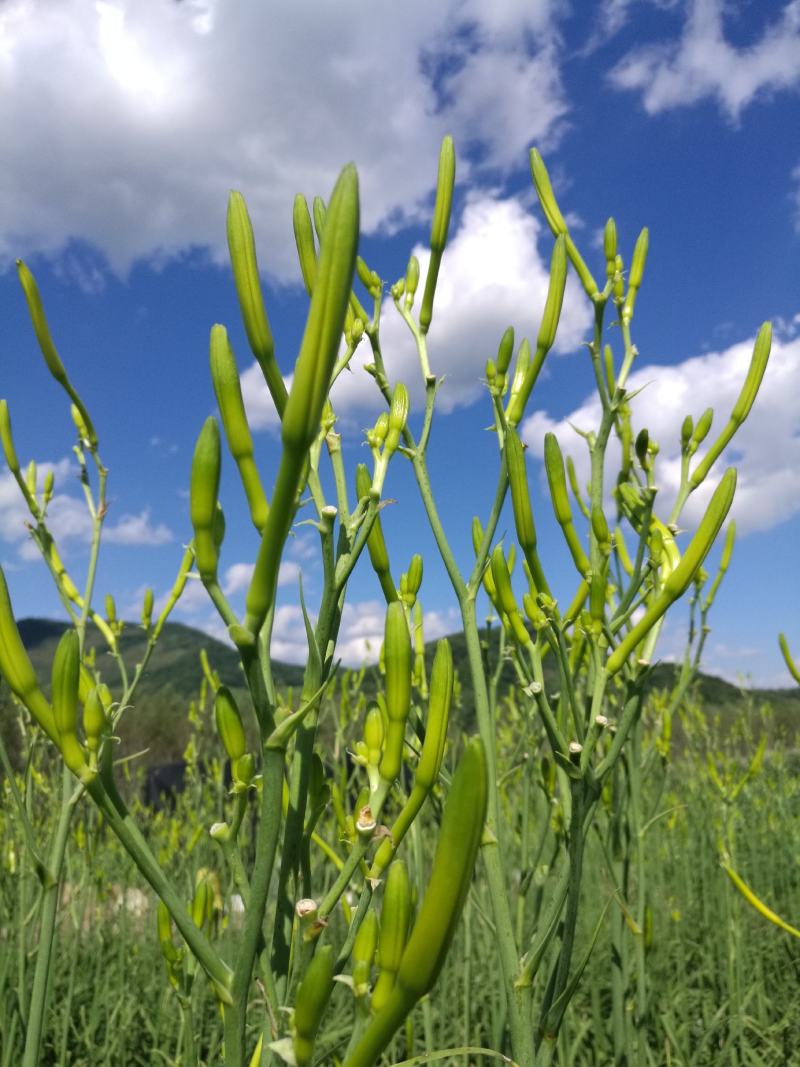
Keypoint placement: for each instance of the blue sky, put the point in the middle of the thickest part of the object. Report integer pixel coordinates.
(125, 125)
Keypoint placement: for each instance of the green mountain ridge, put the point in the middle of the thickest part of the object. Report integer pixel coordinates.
(158, 721)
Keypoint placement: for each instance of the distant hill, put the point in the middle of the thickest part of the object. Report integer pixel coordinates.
(159, 720)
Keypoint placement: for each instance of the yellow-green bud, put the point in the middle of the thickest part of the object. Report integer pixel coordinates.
(7, 439)
(439, 227)
(203, 491)
(397, 658)
(304, 239)
(312, 998)
(229, 724)
(395, 919)
(242, 248)
(411, 280)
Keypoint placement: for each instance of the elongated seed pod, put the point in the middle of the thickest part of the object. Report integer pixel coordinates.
(397, 658)
(439, 227)
(228, 391)
(203, 492)
(680, 578)
(432, 934)
(439, 702)
(744, 402)
(312, 999)
(376, 543)
(229, 724)
(242, 249)
(304, 239)
(395, 919)
(7, 440)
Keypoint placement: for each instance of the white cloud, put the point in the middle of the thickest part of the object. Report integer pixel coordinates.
(68, 519)
(493, 275)
(703, 63)
(766, 450)
(237, 576)
(132, 121)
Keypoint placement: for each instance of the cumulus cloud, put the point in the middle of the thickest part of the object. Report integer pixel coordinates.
(67, 517)
(495, 273)
(766, 450)
(237, 576)
(703, 64)
(132, 121)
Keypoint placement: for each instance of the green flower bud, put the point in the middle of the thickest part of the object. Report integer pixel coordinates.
(411, 280)
(364, 949)
(554, 468)
(48, 349)
(411, 581)
(426, 949)
(505, 351)
(744, 402)
(680, 578)
(94, 720)
(147, 609)
(228, 391)
(520, 495)
(702, 428)
(641, 446)
(395, 919)
(242, 248)
(398, 415)
(637, 271)
(304, 239)
(687, 429)
(397, 657)
(17, 669)
(441, 696)
(439, 227)
(229, 724)
(312, 999)
(65, 684)
(7, 440)
(610, 246)
(374, 733)
(203, 491)
(555, 296)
